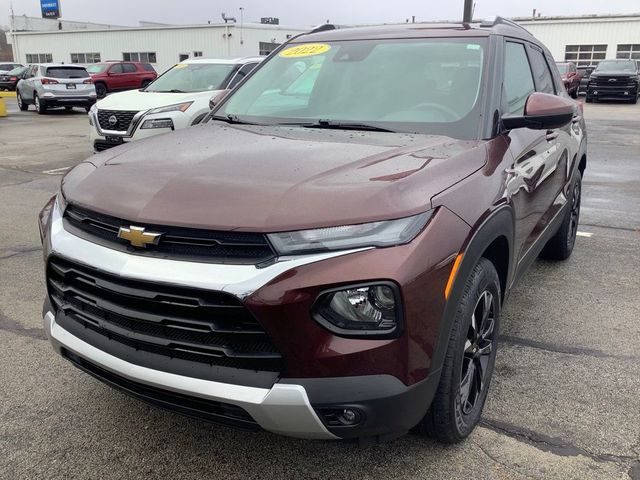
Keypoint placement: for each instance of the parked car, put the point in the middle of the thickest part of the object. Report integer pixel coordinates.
(570, 76)
(614, 80)
(50, 85)
(178, 99)
(9, 80)
(7, 67)
(328, 253)
(585, 74)
(117, 76)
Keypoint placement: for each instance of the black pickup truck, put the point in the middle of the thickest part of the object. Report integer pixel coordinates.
(614, 80)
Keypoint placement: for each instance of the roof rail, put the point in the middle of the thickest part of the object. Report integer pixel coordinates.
(323, 28)
(497, 20)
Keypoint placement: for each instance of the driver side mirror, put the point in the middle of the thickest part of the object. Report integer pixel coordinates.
(542, 111)
(215, 100)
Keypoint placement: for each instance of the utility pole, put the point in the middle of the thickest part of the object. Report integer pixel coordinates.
(467, 17)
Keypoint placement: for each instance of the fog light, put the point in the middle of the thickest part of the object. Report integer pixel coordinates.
(361, 310)
(157, 123)
(341, 417)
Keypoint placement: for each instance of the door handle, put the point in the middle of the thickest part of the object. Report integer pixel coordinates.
(552, 134)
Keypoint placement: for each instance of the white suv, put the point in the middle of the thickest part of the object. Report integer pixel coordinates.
(178, 99)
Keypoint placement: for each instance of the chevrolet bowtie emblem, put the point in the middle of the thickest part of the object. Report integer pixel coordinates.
(138, 237)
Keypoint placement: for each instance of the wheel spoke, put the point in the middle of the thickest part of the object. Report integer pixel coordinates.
(467, 381)
(487, 329)
(485, 349)
(468, 349)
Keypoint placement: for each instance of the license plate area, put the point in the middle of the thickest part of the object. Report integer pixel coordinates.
(71, 86)
(115, 140)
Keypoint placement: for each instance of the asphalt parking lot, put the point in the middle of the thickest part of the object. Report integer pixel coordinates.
(564, 403)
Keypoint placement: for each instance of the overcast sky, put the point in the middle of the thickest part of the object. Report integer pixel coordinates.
(305, 12)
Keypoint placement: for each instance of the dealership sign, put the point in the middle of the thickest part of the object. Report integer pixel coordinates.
(50, 8)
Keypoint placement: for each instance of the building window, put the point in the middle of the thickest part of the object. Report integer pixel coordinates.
(585, 55)
(197, 54)
(39, 58)
(629, 51)
(267, 47)
(85, 58)
(182, 57)
(139, 57)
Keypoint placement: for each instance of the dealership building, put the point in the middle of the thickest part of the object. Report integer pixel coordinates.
(35, 40)
(582, 39)
(586, 40)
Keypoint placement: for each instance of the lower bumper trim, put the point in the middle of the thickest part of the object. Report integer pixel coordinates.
(283, 409)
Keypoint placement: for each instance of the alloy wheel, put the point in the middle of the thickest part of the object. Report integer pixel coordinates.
(477, 352)
(575, 214)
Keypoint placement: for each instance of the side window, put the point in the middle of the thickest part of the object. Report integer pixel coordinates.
(243, 72)
(117, 68)
(518, 80)
(129, 68)
(541, 72)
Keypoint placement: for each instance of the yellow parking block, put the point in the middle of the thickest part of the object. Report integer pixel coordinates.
(8, 94)
(3, 108)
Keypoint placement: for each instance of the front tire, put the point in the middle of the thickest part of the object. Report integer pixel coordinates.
(560, 246)
(469, 361)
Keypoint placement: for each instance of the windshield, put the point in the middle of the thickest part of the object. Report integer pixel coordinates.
(17, 71)
(421, 86)
(66, 72)
(97, 67)
(563, 68)
(616, 66)
(192, 77)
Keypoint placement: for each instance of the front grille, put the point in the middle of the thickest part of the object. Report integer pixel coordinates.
(210, 410)
(612, 82)
(175, 242)
(123, 119)
(210, 328)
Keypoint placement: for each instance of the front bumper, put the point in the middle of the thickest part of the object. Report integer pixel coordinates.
(102, 139)
(391, 382)
(283, 409)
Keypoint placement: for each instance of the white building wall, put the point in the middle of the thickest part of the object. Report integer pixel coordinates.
(556, 34)
(168, 42)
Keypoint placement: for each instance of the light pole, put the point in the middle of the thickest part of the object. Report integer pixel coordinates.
(241, 25)
(467, 16)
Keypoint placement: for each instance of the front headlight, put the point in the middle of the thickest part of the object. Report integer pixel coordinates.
(178, 107)
(44, 217)
(377, 234)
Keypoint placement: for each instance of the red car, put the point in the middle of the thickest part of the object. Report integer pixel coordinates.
(114, 76)
(570, 76)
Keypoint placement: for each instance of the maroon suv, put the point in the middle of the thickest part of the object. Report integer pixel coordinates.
(115, 76)
(328, 254)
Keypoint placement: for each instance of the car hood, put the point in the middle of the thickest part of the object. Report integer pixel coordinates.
(267, 179)
(613, 74)
(137, 100)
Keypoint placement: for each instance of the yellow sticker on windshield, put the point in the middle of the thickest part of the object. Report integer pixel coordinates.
(306, 50)
(181, 65)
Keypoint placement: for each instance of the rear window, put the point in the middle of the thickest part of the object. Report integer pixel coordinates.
(8, 66)
(97, 68)
(148, 67)
(67, 72)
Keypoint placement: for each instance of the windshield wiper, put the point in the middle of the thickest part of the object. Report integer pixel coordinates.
(337, 125)
(233, 119)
